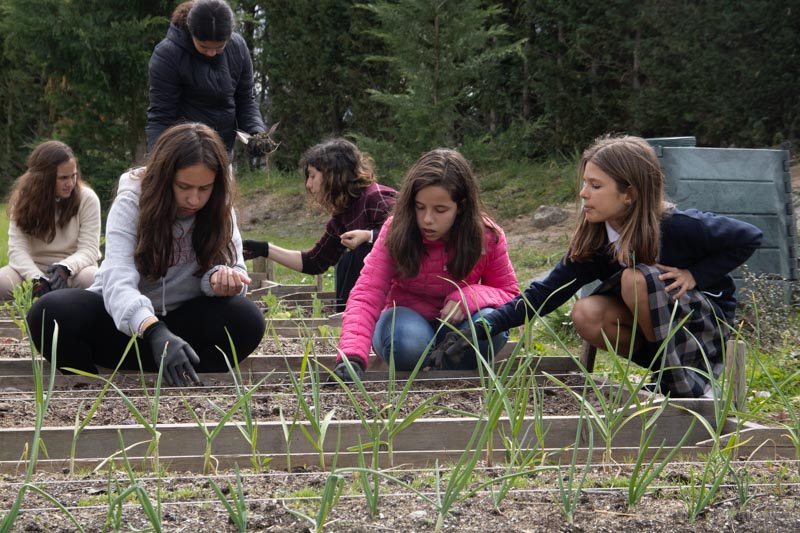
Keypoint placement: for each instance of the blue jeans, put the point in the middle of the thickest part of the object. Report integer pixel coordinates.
(412, 334)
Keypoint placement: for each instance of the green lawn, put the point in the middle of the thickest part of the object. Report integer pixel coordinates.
(4, 234)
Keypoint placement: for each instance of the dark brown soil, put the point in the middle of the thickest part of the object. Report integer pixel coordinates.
(190, 504)
(531, 505)
(273, 397)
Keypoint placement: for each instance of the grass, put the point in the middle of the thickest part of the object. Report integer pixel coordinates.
(512, 190)
(516, 189)
(3, 235)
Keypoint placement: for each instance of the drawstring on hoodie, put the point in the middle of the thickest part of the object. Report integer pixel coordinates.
(163, 297)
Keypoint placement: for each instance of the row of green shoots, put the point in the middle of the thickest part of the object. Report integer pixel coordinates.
(510, 391)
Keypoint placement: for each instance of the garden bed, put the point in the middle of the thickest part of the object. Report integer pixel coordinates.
(549, 426)
(189, 503)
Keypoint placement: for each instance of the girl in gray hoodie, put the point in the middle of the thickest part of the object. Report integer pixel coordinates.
(173, 272)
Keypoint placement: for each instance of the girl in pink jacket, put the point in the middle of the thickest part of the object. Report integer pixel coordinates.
(438, 262)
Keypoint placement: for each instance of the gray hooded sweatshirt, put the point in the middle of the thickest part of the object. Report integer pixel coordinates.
(128, 298)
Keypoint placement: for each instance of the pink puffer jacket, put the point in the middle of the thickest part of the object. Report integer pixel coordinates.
(490, 284)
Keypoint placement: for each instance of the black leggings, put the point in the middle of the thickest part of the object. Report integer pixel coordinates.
(347, 271)
(88, 338)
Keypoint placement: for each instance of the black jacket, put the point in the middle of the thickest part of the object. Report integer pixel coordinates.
(186, 86)
(709, 246)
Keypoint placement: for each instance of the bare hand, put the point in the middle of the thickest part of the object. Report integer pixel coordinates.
(682, 280)
(452, 312)
(228, 282)
(355, 238)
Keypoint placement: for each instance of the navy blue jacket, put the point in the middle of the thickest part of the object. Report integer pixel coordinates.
(186, 86)
(707, 245)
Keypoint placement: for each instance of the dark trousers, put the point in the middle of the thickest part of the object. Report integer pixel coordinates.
(88, 338)
(347, 271)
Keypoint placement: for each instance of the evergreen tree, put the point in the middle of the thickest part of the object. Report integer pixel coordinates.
(311, 52)
(88, 60)
(440, 53)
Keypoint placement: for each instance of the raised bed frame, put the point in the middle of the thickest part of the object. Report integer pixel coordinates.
(421, 444)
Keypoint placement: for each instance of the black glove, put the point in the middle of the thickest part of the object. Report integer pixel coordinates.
(343, 373)
(59, 274)
(251, 249)
(449, 353)
(178, 356)
(40, 287)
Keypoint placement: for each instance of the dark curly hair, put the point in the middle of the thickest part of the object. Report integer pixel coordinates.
(346, 171)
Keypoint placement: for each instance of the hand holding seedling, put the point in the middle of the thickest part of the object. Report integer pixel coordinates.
(452, 312)
(174, 353)
(228, 282)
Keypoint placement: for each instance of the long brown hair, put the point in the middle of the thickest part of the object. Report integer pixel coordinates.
(633, 165)
(447, 169)
(346, 171)
(177, 148)
(180, 15)
(32, 204)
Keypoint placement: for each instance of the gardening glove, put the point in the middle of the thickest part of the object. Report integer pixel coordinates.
(59, 274)
(342, 372)
(40, 287)
(174, 353)
(252, 249)
(449, 353)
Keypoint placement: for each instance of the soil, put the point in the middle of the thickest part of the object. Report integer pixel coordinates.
(189, 503)
(771, 489)
(272, 398)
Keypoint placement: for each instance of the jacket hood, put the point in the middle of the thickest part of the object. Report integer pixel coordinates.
(131, 181)
(181, 37)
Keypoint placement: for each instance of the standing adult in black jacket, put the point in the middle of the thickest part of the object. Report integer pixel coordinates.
(202, 72)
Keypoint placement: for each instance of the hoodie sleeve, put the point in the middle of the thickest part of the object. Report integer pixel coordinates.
(118, 275)
(205, 282)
